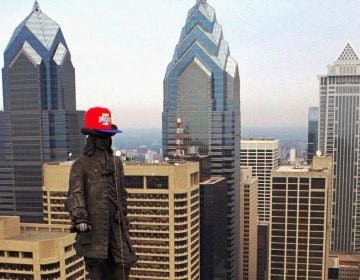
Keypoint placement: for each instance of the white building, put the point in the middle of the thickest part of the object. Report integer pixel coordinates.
(263, 156)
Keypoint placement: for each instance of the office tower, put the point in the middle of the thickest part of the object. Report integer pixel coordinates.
(301, 220)
(313, 123)
(248, 218)
(262, 155)
(202, 88)
(339, 138)
(164, 216)
(42, 124)
(262, 250)
(345, 266)
(212, 221)
(37, 251)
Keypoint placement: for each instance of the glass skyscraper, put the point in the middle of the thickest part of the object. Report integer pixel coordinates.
(40, 122)
(339, 137)
(202, 88)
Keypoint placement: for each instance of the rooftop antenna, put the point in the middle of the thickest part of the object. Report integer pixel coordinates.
(179, 153)
(36, 6)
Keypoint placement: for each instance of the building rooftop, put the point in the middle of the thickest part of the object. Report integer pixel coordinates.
(12, 230)
(212, 181)
(37, 235)
(293, 168)
(259, 139)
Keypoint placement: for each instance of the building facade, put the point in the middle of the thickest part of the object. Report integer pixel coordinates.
(248, 218)
(301, 221)
(263, 250)
(39, 110)
(55, 192)
(263, 156)
(313, 131)
(339, 137)
(37, 251)
(164, 215)
(202, 88)
(212, 221)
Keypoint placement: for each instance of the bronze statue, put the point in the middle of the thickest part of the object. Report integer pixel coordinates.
(97, 202)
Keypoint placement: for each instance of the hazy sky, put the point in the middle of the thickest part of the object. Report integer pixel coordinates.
(121, 49)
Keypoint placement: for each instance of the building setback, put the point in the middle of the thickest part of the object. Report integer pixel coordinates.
(339, 137)
(202, 88)
(41, 121)
(301, 221)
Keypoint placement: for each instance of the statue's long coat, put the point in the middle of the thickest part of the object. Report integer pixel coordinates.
(89, 201)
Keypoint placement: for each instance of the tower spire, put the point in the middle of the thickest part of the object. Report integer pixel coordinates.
(36, 6)
(201, 2)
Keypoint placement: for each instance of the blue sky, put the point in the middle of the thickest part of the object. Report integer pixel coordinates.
(121, 49)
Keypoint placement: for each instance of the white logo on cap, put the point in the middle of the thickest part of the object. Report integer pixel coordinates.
(105, 119)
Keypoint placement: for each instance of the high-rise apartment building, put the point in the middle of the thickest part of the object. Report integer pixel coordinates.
(164, 216)
(339, 137)
(202, 88)
(301, 221)
(248, 218)
(313, 131)
(40, 120)
(37, 251)
(263, 156)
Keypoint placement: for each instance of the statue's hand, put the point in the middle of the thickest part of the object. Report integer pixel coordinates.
(83, 227)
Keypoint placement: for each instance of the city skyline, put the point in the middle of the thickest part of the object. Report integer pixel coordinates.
(263, 42)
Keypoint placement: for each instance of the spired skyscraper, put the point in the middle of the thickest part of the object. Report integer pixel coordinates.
(40, 122)
(339, 137)
(202, 87)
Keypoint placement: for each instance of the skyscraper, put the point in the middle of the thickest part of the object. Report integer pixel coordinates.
(40, 117)
(339, 137)
(248, 218)
(313, 131)
(263, 156)
(202, 88)
(300, 221)
(164, 215)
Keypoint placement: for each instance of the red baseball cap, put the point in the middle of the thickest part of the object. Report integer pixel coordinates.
(99, 119)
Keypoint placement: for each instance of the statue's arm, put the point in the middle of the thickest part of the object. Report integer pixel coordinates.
(75, 202)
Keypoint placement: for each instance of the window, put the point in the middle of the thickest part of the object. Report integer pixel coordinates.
(157, 182)
(134, 182)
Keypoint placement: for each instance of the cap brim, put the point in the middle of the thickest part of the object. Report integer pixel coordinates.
(114, 131)
(101, 132)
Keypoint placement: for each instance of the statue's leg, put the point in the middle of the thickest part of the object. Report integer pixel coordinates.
(119, 253)
(96, 268)
(121, 273)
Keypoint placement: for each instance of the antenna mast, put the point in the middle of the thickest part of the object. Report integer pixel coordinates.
(179, 153)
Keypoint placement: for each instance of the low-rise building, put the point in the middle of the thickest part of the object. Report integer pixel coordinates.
(37, 252)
